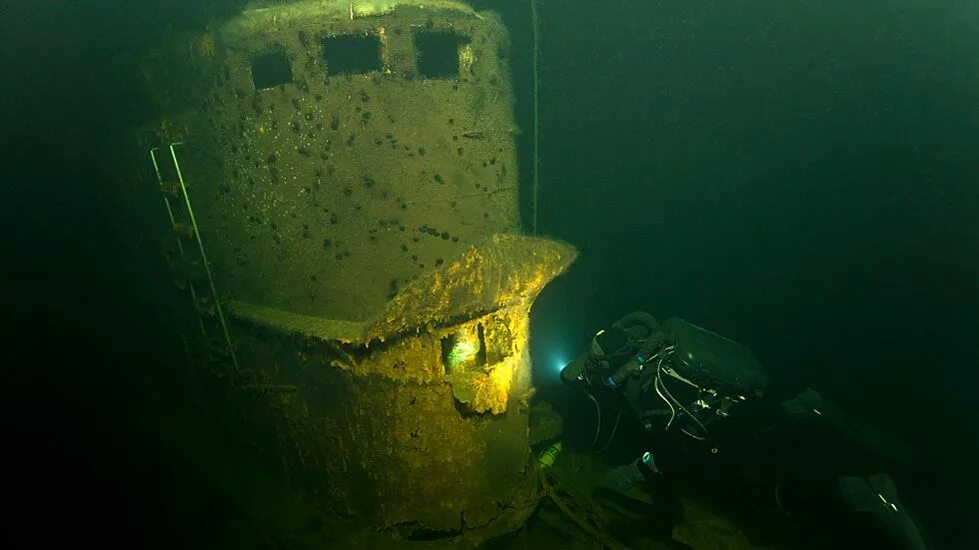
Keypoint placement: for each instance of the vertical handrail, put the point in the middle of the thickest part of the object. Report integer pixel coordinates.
(207, 265)
(166, 201)
(180, 245)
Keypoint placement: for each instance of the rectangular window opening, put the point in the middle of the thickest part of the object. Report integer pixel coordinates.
(352, 54)
(271, 68)
(439, 53)
(464, 350)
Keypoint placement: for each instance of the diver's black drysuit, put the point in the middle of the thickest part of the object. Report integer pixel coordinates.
(717, 428)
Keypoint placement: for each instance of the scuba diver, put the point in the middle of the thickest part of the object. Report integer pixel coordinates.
(696, 402)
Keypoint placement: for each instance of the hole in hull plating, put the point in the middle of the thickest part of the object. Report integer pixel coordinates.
(439, 53)
(352, 54)
(270, 69)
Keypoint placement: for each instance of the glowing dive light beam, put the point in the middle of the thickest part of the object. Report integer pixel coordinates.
(558, 364)
(463, 352)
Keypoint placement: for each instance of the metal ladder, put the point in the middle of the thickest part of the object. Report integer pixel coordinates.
(205, 321)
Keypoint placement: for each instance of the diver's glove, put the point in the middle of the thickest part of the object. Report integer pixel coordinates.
(627, 476)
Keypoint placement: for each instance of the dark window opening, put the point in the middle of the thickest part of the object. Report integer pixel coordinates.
(352, 54)
(270, 69)
(437, 53)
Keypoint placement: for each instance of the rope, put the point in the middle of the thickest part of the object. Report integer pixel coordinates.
(536, 31)
(600, 537)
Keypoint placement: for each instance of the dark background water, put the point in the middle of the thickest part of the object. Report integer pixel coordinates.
(802, 177)
(799, 176)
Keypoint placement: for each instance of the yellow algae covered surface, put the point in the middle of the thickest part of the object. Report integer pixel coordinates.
(503, 271)
(489, 289)
(400, 435)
